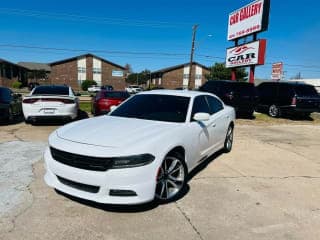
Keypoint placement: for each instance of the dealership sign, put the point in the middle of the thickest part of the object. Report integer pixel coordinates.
(249, 19)
(247, 54)
(277, 70)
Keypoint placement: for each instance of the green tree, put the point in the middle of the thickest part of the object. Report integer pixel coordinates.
(87, 83)
(139, 78)
(219, 72)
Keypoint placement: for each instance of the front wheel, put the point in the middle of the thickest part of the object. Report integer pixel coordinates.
(229, 140)
(171, 178)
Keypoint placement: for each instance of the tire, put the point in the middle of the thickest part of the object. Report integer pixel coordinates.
(228, 142)
(274, 111)
(171, 179)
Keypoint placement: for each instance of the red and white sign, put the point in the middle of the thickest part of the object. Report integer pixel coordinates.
(250, 19)
(247, 54)
(277, 70)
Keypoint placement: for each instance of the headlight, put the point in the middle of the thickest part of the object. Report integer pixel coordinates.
(132, 161)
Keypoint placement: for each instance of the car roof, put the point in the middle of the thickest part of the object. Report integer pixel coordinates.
(181, 93)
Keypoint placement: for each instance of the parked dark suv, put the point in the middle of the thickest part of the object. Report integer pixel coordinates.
(277, 98)
(10, 104)
(240, 95)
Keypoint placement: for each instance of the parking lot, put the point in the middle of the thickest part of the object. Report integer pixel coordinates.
(266, 188)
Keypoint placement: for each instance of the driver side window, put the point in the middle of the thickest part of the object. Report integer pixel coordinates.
(200, 104)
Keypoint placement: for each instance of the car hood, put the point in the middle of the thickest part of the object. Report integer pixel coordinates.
(108, 131)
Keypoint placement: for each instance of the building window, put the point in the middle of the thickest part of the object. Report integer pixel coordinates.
(81, 70)
(198, 76)
(97, 70)
(186, 76)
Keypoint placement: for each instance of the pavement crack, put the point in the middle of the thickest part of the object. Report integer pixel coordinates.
(189, 221)
(16, 216)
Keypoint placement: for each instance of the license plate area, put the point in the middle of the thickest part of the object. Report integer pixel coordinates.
(49, 110)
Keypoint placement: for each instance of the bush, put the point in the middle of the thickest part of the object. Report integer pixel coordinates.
(87, 83)
(16, 84)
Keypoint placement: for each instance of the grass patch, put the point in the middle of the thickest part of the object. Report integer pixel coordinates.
(85, 106)
(264, 119)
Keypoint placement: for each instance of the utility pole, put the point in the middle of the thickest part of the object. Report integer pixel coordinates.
(194, 31)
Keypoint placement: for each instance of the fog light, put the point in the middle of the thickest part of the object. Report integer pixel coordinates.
(122, 193)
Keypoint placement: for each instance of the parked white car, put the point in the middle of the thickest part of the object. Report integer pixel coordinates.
(51, 101)
(94, 89)
(133, 89)
(144, 149)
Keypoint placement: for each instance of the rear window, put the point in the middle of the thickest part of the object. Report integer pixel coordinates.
(5, 95)
(116, 95)
(51, 90)
(305, 90)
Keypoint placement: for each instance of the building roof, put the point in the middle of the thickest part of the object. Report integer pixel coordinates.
(85, 55)
(168, 69)
(11, 63)
(35, 66)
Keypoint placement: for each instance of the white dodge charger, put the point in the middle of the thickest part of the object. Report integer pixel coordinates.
(142, 150)
(50, 101)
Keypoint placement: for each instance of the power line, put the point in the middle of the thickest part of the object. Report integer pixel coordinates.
(92, 50)
(151, 55)
(100, 20)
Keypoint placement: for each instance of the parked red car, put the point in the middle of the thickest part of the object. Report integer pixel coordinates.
(102, 102)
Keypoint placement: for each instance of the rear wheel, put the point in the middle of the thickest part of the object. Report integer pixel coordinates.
(228, 143)
(274, 111)
(171, 178)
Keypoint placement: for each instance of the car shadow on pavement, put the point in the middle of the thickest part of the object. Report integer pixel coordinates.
(245, 116)
(204, 164)
(15, 120)
(293, 117)
(113, 208)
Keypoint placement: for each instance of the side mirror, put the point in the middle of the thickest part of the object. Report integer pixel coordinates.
(201, 117)
(113, 107)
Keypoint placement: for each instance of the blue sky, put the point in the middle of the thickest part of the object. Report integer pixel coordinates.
(156, 27)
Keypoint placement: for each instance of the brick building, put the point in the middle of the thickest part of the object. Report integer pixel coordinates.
(37, 72)
(11, 72)
(178, 76)
(73, 71)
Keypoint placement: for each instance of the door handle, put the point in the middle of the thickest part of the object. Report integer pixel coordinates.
(213, 125)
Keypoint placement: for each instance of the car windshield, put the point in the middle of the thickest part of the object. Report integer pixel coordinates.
(305, 90)
(155, 107)
(51, 90)
(116, 94)
(5, 95)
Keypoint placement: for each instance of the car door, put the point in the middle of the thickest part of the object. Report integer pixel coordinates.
(219, 122)
(203, 131)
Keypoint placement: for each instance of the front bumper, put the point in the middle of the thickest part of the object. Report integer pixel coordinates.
(141, 180)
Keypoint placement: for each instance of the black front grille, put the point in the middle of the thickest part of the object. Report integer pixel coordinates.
(79, 186)
(81, 161)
